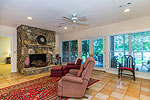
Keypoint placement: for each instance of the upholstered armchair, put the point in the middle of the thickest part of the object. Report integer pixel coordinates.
(75, 65)
(74, 83)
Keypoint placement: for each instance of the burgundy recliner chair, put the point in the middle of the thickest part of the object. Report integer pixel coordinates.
(75, 65)
(72, 85)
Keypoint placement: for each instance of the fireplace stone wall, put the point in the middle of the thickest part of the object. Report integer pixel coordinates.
(27, 39)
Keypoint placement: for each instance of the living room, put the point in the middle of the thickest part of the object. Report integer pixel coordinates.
(47, 37)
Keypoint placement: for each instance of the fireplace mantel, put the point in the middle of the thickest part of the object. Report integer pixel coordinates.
(39, 45)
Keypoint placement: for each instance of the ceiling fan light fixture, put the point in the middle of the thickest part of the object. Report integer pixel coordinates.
(127, 10)
(74, 21)
(30, 18)
(65, 28)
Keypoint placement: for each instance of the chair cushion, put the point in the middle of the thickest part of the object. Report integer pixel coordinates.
(65, 71)
(57, 68)
(80, 71)
(68, 74)
(125, 68)
(73, 67)
(70, 63)
(64, 68)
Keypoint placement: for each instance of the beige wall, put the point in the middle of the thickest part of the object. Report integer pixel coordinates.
(5, 49)
(12, 33)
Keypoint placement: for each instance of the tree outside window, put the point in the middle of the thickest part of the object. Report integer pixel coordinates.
(85, 49)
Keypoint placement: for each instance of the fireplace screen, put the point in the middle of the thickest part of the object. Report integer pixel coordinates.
(38, 60)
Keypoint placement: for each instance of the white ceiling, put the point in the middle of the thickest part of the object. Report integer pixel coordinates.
(48, 14)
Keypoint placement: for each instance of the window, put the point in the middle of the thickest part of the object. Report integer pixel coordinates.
(85, 49)
(73, 50)
(135, 44)
(69, 51)
(141, 50)
(98, 52)
(119, 47)
(65, 51)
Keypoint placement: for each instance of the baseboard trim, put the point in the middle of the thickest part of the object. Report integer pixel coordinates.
(13, 70)
(144, 75)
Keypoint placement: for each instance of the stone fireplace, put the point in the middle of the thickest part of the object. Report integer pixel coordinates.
(27, 41)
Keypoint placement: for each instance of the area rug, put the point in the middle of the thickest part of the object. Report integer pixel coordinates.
(44, 88)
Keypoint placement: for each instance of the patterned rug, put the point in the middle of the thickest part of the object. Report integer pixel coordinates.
(43, 88)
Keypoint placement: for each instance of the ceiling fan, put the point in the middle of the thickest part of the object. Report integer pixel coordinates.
(74, 20)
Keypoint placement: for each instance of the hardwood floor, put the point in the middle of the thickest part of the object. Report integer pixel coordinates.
(5, 68)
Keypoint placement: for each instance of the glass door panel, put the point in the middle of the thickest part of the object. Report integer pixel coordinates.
(141, 51)
(73, 50)
(138, 60)
(98, 52)
(146, 62)
(85, 50)
(65, 51)
(119, 47)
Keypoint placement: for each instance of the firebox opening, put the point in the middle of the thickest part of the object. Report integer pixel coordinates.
(38, 60)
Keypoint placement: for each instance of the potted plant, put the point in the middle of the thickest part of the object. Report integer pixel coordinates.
(27, 62)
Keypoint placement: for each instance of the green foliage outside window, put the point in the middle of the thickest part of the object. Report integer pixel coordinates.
(73, 50)
(85, 49)
(98, 52)
(98, 46)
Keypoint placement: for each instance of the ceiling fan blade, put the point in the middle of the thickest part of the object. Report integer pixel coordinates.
(66, 23)
(82, 24)
(83, 18)
(67, 18)
(59, 26)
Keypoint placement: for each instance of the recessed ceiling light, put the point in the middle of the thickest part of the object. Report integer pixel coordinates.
(65, 28)
(30, 18)
(126, 10)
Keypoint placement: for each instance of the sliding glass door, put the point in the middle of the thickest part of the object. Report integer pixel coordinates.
(85, 50)
(135, 44)
(98, 52)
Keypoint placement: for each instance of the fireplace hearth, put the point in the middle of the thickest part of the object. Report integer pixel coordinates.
(38, 60)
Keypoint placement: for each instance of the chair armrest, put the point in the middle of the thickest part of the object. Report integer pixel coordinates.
(74, 71)
(77, 66)
(72, 79)
(70, 63)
